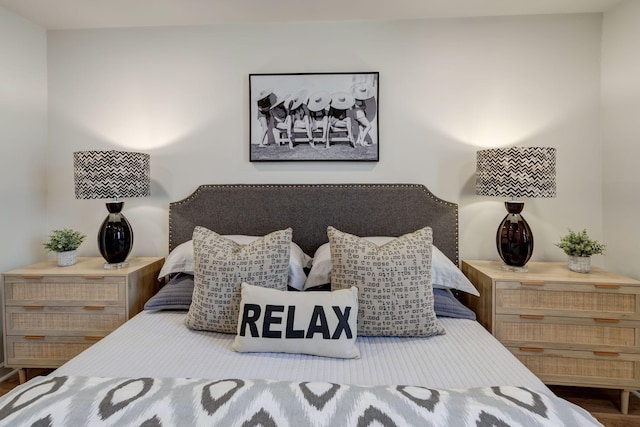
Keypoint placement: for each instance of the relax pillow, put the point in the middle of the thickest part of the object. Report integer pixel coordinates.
(180, 260)
(445, 274)
(395, 297)
(323, 324)
(221, 265)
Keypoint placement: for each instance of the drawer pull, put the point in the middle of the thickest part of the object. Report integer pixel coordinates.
(93, 277)
(32, 276)
(94, 307)
(606, 320)
(92, 338)
(606, 353)
(532, 316)
(34, 337)
(532, 283)
(33, 307)
(606, 286)
(532, 349)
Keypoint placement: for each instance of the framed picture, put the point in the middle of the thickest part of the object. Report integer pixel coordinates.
(314, 117)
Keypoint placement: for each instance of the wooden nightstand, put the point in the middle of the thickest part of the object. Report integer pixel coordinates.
(53, 313)
(568, 328)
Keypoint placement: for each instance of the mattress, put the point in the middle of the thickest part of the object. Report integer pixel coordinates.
(158, 344)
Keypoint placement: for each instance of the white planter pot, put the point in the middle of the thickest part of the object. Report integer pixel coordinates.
(580, 264)
(67, 258)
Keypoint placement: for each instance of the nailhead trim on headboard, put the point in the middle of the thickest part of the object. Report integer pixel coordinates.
(256, 209)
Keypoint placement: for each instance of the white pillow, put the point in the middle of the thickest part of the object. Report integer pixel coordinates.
(180, 260)
(445, 274)
(318, 323)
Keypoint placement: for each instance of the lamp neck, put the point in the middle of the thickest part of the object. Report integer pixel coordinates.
(114, 207)
(514, 207)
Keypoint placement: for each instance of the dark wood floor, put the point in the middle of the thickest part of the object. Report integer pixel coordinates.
(12, 382)
(602, 403)
(8, 385)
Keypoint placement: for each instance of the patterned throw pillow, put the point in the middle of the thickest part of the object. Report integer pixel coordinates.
(319, 323)
(221, 265)
(395, 296)
(181, 260)
(444, 273)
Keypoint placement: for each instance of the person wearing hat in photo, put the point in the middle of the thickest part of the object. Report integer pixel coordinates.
(281, 120)
(319, 114)
(272, 114)
(300, 122)
(339, 116)
(265, 100)
(365, 109)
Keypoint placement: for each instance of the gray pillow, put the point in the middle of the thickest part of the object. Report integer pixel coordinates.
(445, 304)
(175, 295)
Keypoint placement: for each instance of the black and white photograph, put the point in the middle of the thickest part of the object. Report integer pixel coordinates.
(314, 117)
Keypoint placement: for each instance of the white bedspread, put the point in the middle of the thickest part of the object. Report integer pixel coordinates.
(157, 344)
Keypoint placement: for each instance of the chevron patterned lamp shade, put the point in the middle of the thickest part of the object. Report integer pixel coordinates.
(516, 172)
(112, 175)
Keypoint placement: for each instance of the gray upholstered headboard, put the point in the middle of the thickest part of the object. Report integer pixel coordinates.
(360, 209)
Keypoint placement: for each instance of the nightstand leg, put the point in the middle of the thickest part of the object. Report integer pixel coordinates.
(624, 401)
(22, 375)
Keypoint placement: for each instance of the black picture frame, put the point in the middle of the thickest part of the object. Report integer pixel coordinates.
(314, 117)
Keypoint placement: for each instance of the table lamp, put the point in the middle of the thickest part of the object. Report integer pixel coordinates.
(516, 172)
(112, 175)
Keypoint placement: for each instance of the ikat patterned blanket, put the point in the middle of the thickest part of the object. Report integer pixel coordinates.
(84, 401)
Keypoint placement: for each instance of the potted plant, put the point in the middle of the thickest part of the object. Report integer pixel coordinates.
(579, 247)
(64, 242)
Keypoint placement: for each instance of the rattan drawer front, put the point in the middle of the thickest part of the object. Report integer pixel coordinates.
(583, 300)
(40, 320)
(39, 351)
(52, 290)
(568, 328)
(604, 369)
(51, 313)
(568, 333)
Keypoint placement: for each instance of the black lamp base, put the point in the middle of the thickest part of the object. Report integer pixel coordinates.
(115, 237)
(514, 238)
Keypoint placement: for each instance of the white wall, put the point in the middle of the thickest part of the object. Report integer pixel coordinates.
(621, 136)
(23, 140)
(447, 88)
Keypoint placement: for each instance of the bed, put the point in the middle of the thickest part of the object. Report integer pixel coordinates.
(154, 370)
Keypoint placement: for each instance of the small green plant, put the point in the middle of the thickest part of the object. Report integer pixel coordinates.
(64, 240)
(580, 244)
